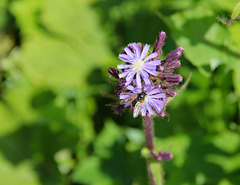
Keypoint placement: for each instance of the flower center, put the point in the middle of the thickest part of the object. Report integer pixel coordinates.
(137, 65)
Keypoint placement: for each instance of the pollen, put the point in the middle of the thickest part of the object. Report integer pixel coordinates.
(138, 65)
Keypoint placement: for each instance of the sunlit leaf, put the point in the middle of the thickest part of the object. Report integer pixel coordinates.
(236, 11)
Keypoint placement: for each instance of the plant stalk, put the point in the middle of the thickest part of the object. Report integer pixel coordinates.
(154, 167)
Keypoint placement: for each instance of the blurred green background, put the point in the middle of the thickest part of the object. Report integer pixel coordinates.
(55, 127)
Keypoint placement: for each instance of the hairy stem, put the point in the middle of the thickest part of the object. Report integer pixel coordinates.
(149, 132)
(153, 167)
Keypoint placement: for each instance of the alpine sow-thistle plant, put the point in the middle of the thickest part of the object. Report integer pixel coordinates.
(145, 83)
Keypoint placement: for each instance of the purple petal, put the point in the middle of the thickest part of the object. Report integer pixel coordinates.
(125, 58)
(156, 106)
(143, 110)
(127, 104)
(153, 55)
(125, 73)
(150, 109)
(152, 72)
(137, 50)
(155, 62)
(130, 87)
(160, 103)
(145, 51)
(125, 95)
(147, 87)
(129, 53)
(149, 66)
(138, 80)
(129, 78)
(144, 74)
(147, 81)
(123, 66)
(158, 96)
(155, 91)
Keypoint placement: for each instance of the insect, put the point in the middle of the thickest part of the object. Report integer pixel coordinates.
(136, 102)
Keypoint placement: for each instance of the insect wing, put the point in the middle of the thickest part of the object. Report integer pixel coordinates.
(137, 109)
(128, 100)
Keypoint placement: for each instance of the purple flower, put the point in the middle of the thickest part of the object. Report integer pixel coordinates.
(162, 156)
(137, 66)
(154, 100)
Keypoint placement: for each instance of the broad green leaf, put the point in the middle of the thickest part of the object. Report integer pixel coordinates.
(223, 139)
(178, 145)
(21, 174)
(89, 172)
(203, 39)
(228, 163)
(62, 44)
(16, 108)
(236, 11)
(106, 139)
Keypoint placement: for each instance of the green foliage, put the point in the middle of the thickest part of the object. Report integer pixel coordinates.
(236, 11)
(55, 127)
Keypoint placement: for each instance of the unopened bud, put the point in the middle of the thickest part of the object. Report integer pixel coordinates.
(119, 109)
(173, 64)
(174, 78)
(170, 92)
(120, 85)
(175, 54)
(158, 45)
(114, 72)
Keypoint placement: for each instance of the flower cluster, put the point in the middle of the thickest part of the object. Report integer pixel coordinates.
(145, 81)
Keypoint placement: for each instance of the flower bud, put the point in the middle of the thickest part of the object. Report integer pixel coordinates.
(159, 43)
(173, 64)
(162, 156)
(170, 92)
(119, 109)
(174, 78)
(114, 72)
(130, 46)
(120, 86)
(175, 54)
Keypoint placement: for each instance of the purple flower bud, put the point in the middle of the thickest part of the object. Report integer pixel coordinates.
(166, 156)
(162, 114)
(170, 92)
(114, 72)
(159, 43)
(175, 54)
(160, 68)
(119, 109)
(174, 78)
(140, 45)
(156, 85)
(120, 86)
(181, 49)
(173, 64)
(130, 46)
(162, 156)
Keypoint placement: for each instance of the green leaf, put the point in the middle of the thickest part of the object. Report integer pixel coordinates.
(62, 44)
(236, 11)
(223, 139)
(106, 139)
(23, 173)
(89, 172)
(228, 163)
(203, 39)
